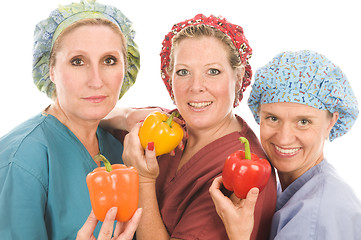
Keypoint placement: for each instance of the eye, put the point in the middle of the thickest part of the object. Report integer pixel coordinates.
(182, 72)
(272, 118)
(110, 61)
(304, 122)
(213, 71)
(77, 62)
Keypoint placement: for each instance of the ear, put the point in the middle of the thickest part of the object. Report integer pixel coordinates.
(240, 71)
(333, 121)
(51, 74)
(239, 76)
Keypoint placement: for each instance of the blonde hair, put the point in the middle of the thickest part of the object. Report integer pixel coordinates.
(202, 30)
(86, 22)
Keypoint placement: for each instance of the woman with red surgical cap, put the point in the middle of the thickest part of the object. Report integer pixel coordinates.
(204, 64)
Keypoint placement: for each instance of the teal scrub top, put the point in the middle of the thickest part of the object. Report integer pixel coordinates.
(43, 169)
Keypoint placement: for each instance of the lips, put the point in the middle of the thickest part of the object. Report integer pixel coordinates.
(287, 151)
(199, 105)
(95, 99)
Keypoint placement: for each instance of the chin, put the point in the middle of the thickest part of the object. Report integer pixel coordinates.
(95, 115)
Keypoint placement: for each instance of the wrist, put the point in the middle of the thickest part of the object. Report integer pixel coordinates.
(236, 232)
(146, 180)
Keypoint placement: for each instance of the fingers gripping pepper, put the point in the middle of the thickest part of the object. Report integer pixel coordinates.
(243, 170)
(113, 186)
(162, 130)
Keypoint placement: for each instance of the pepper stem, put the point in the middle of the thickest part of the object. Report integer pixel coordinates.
(170, 119)
(247, 150)
(107, 164)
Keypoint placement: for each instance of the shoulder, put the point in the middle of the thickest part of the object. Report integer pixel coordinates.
(26, 137)
(254, 142)
(337, 194)
(322, 185)
(322, 204)
(26, 149)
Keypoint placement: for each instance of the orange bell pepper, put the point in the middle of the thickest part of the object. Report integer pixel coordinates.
(113, 186)
(162, 130)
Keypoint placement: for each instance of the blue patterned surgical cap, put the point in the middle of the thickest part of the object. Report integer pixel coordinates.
(308, 78)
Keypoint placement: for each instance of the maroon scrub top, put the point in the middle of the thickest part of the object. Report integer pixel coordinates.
(183, 196)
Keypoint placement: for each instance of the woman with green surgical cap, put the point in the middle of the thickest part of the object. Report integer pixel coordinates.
(85, 59)
(300, 99)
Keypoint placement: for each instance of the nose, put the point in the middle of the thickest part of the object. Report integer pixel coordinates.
(95, 79)
(285, 134)
(197, 83)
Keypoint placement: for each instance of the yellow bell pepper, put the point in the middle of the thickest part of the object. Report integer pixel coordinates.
(162, 130)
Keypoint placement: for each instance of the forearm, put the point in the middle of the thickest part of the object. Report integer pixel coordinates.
(118, 118)
(151, 225)
(126, 118)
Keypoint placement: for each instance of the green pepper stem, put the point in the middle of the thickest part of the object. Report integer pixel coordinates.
(170, 119)
(100, 157)
(247, 150)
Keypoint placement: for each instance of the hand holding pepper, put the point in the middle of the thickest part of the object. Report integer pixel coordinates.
(144, 161)
(162, 131)
(243, 171)
(237, 214)
(122, 231)
(113, 186)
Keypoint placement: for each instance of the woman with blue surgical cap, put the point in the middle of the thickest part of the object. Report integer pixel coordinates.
(300, 99)
(85, 59)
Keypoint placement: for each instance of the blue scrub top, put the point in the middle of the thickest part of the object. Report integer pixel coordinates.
(318, 205)
(43, 169)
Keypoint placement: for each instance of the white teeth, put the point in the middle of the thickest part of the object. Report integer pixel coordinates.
(200, 104)
(287, 151)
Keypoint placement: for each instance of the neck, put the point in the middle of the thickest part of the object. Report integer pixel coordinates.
(84, 130)
(286, 178)
(208, 135)
(199, 138)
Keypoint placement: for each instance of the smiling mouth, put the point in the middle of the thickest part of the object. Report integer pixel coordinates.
(288, 151)
(199, 104)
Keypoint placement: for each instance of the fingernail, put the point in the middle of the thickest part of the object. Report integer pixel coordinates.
(151, 146)
(114, 210)
(112, 213)
(254, 191)
(139, 211)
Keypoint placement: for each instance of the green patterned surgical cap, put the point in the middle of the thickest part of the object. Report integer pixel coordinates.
(49, 29)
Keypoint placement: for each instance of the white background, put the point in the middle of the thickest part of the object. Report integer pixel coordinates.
(271, 26)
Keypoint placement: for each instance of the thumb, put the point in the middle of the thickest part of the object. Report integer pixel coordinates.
(251, 199)
(151, 160)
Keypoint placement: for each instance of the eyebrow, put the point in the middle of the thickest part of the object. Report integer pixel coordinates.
(208, 64)
(298, 116)
(180, 65)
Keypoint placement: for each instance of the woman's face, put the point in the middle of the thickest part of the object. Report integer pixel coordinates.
(293, 136)
(203, 82)
(88, 72)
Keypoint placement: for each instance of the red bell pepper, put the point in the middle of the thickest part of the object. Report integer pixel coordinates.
(244, 170)
(113, 186)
